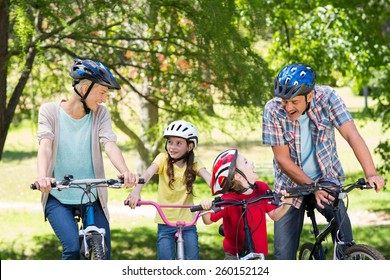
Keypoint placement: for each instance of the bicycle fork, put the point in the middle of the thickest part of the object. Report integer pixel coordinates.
(180, 243)
(89, 230)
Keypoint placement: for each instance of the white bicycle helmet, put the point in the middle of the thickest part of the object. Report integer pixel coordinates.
(182, 129)
(223, 171)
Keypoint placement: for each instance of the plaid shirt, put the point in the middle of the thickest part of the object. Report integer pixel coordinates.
(327, 111)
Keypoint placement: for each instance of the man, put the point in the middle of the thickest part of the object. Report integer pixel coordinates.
(299, 124)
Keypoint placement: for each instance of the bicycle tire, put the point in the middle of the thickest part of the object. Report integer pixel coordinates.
(362, 252)
(305, 251)
(98, 252)
(95, 248)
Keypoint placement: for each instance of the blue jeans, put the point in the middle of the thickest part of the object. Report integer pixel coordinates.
(166, 242)
(62, 221)
(287, 230)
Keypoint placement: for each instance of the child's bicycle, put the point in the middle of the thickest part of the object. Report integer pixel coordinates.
(93, 243)
(248, 252)
(342, 250)
(179, 225)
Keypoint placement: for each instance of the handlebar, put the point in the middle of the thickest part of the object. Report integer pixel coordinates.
(218, 201)
(328, 187)
(159, 208)
(68, 181)
(291, 192)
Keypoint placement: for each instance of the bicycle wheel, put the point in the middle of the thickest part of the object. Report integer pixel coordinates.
(95, 250)
(362, 252)
(305, 251)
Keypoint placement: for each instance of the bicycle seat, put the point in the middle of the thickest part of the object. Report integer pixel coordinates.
(311, 202)
(220, 230)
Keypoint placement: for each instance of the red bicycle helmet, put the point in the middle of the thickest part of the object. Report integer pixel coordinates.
(223, 170)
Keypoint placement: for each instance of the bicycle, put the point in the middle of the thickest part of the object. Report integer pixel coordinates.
(316, 251)
(248, 252)
(93, 243)
(179, 225)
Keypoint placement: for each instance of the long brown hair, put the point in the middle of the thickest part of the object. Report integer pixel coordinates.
(189, 174)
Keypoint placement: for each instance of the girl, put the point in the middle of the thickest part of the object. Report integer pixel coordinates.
(177, 170)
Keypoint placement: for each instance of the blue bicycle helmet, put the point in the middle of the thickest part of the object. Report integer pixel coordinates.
(294, 80)
(93, 71)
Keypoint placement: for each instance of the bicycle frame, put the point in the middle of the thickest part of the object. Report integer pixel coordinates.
(88, 230)
(342, 249)
(218, 202)
(179, 225)
(321, 235)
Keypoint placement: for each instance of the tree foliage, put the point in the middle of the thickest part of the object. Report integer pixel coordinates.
(183, 59)
(176, 59)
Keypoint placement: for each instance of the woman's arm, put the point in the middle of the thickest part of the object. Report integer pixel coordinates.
(116, 157)
(45, 152)
(135, 195)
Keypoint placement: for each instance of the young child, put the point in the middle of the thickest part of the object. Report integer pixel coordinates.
(177, 170)
(234, 177)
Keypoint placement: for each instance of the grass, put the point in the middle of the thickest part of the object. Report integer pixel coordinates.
(25, 235)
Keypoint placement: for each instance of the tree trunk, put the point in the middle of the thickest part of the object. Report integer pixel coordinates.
(148, 121)
(8, 111)
(4, 26)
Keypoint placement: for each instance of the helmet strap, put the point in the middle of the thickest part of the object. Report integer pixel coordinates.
(83, 98)
(251, 186)
(307, 105)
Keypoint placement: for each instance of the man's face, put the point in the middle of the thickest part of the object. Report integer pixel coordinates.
(296, 106)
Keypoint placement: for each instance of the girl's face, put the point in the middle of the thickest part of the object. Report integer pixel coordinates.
(247, 167)
(177, 147)
(97, 95)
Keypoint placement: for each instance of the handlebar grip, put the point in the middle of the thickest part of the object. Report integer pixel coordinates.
(196, 208)
(34, 187)
(140, 181)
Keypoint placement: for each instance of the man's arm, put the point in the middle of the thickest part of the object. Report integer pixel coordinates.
(282, 156)
(350, 133)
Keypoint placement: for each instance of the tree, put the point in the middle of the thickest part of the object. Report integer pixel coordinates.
(347, 42)
(179, 57)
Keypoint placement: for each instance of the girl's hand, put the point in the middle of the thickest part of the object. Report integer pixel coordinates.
(133, 199)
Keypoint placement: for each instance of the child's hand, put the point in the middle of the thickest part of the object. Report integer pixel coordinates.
(206, 204)
(284, 193)
(133, 199)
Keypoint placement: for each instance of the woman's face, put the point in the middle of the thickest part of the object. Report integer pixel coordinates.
(177, 147)
(97, 95)
(247, 167)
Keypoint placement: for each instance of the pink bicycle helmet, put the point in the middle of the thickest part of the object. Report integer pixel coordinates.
(223, 170)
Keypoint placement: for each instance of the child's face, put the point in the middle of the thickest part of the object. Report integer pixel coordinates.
(247, 167)
(177, 147)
